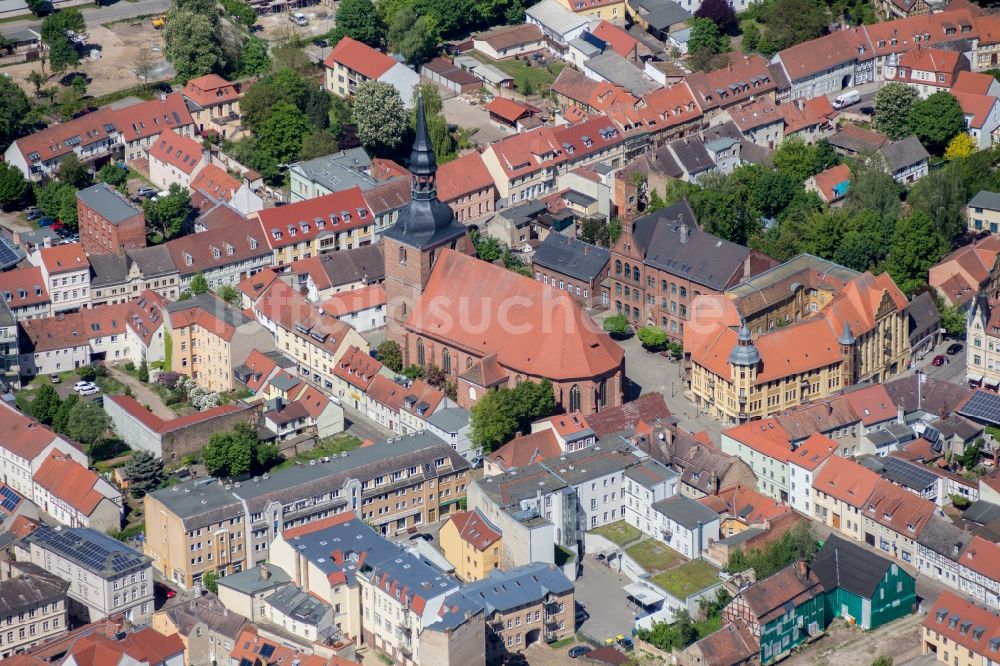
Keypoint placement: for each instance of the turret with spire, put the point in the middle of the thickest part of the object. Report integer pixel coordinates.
(745, 352)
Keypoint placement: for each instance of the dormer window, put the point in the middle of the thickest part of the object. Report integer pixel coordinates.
(216, 252)
(253, 242)
(188, 259)
(230, 250)
(305, 227)
(292, 231)
(334, 219)
(276, 234)
(362, 213)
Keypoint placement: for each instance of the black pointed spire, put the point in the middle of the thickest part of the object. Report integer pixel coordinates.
(424, 221)
(422, 160)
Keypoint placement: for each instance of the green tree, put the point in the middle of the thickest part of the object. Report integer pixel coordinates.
(962, 145)
(60, 422)
(595, 231)
(705, 36)
(37, 80)
(916, 246)
(487, 248)
(241, 11)
(13, 186)
(884, 660)
(62, 51)
(70, 104)
(936, 120)
(676, 635)
(281, 134)
(74, 172)
(45, 405)
(144, 371)
(229, 294)
(254, 58)
(652, 337)
(144, 472)
(360, 20)
(413, 371)
(258, 102)
(88, 423)
(390, 355)
(872, 188)
(953, 320)
(453, 16)
(210, 581)
(199, 285)
(379, 115)
(413, 37)
(39, 7)
(797, 160)
(970, 456)
(721, 13)
(57, 200)
(238, 452)
(502, 412)
(169, 214)
(617, 325)
(893, 103)
(190, 44)
(317, 144)
(798, 543)
(791, 22)
(113, 174)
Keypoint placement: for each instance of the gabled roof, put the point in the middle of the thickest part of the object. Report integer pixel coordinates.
(743, 78)
(842, 564)
(227, 243)
(745, 504)
(63, 258)
(284, 306)
(765, 436)
(57, 140)
(572, 257)
(824, 53)
(978, 83)
(983, 557)
(462, 176)
(357, 368)
(647, 408)
(161, 427)
(327, 215)
(25, 287)
(210, 90)
(620, 41)
(898, 509)
(355, 300)
(847, 481)
(977, 107)
(216, 183)
(151, 118)
(526, 450)
(359, 57)
(572, 351)
(772, 597)
(965, 624)
(511, 36)
(474, 528)
(813, 452)
(832, 183)
(177, 150)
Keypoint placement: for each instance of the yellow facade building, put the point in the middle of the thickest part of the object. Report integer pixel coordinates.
(472, 544)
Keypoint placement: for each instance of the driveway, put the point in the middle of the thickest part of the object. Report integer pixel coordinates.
(458, 112)
(143, 394)
(362, 427)
(600, 593)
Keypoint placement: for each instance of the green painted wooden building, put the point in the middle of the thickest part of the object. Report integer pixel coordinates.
(861, 586)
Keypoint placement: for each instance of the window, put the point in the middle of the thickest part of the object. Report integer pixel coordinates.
(402, 256)
(420, 353)
(446, 361)
(574, 398)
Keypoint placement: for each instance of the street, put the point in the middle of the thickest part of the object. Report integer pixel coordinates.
(97, 15)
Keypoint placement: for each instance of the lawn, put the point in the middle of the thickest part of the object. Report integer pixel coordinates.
(687, 579)
(620, 532)
(528, 79)
(331, 446)
(654, 556)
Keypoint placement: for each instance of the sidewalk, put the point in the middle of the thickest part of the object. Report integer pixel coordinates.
(143, 394)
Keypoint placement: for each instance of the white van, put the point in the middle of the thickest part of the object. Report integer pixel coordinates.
(298, 18)
(846, 99)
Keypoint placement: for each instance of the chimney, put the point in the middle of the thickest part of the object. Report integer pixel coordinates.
(264, 572)
(900, 413)
(163, 97)
(802, 568)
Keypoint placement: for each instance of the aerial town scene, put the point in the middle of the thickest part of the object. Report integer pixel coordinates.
(499, 332)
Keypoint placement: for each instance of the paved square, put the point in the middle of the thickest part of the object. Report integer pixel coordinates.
(600, 592)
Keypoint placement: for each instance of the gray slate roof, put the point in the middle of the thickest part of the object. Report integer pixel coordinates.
(340, 171)
(108, 269)
(843, 564)
(662, 14)
(619, 70)
(302, 606)
(110, 204)
(572, 257)
(28, 587)
(692, 155)
(923, 314)
(685, 511)
(153, 261)
(214, 305)
(942, 536)
(450, 419)
(354, 539)
(985, 199)
(704, 259)
(355, 265)
(91, 550)
(251, 581)
(904, 153)
(982, 512)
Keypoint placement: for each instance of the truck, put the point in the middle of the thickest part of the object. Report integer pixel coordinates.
(846, 98)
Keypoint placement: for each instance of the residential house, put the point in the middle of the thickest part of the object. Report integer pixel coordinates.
(353, 375)
(831, 185)
(466, 185)
(979, 572)
(733, 644)
(968, 271)
(146, 647)
(90, 137)
(803, 464)
(983, 357)
(472, 544)
(957, 631)
(926, 332)
(745, 78)
(107, 577)
(117, 278)
(982, 116)
(760, 121)
(66, 272)
(226, 255)
(766, 447)
(611, 10)
(351, 63)
(840, 495)
(509, 41)
(983, 212)
(175, 159)
(906, 160)
(579, 267)
(685, 525)
(363, 309)
(741, 509)
(862, 587)
(939, 548)
(453, 426)
(213, 190)
(214, 104)
(210, 338)
(244, 593)
(25, 445)
(35, 602)
(893, 519)
(926, 70)
(205, 626)
(661, 18)
(140, 125)
(782, 611)
(75, 496)
(108, 222)
(301, 614)
(330, 274)
(25, 293)
(559, 25)
(393, 403)
(335, 172)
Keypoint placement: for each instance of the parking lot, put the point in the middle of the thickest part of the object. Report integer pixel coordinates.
(600, 593)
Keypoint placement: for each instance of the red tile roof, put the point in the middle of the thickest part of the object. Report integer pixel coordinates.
(952, 616)
(977, 106)
(647, 408)
(872, 404)
(159, 426)
(27, 281)
(463, 176)
(938, 61)
(177, 150)
(983, 557)
(824, 53)
(620, 41)
(210, 90)
(475, 529)
(772, 597)
(507, 109)
(70, 481)
(234, 242)
(973, 82)
(567, 424)
(59, 139)
(745, 77)
(22, 435)
(148, 646)
(255, 285)
(548, 333)
(800, 114)
(355, 300)
(547, 146)
(63, 258)
(828, 182)
(359, 57)
(813, 452)
(898, 509)
(527, 449)
(323, 216)
(262, 366)
(747, 504)
(283, 305)
(847, 481)
(395, 396)
(215, 182)
(330, 521)
(147, 119)
(357, 368)
(766, 437)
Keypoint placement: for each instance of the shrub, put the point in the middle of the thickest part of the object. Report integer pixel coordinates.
(86, 373)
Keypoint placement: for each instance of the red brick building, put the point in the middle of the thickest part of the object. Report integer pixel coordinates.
(109, 223)
(483, 325)
(663, 261)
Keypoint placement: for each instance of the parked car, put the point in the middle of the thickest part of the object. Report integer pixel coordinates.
(34, 215)
(846, 99)
(422, 535)
(954, 348)
(867, 110)
(81, 384)
(476, 462)
(46, 222)
(625, 642)
(55, 379)
(90, 390)
(322, 43)
(146, 192)
(58, 226)
(163, 590)
(938, 361)
(579, 651)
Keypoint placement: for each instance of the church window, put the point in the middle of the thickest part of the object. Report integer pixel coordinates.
(446, 361)
(574, 398)
(420, 353)
(402, 256)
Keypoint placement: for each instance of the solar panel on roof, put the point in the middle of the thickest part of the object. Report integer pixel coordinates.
(983, 406)
(10, 499)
